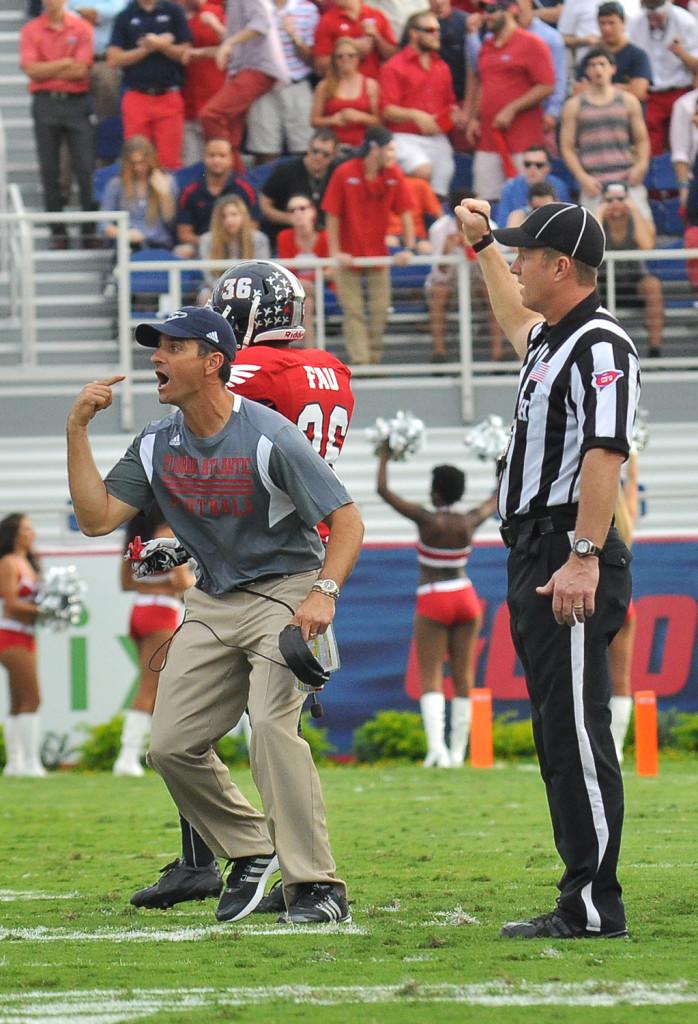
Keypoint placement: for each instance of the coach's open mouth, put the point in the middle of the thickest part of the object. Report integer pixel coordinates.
(163, 379)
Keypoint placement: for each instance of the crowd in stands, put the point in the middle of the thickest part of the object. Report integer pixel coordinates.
(334, 127)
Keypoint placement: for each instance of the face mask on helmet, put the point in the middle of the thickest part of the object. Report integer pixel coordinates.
(262, 300)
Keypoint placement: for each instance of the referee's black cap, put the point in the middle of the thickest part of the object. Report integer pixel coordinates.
(563, 226)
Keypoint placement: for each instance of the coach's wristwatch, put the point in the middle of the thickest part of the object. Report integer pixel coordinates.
(327, 587)
(583, 548)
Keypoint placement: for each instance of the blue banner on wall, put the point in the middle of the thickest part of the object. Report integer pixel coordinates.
(374, 630)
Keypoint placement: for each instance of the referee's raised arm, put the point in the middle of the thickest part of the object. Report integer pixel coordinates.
(502, 286)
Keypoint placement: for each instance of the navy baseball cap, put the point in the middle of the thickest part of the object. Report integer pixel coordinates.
(563, 226)
(197, 322)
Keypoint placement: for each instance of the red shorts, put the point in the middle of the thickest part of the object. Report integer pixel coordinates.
(448, 602)
(153, 615)
(13, 638)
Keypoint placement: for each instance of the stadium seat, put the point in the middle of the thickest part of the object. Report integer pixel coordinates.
(560, 169)
(109, 138)
(156, 282)
(186, 175)
(669, 270)
(257, 176)
(660, 180)
(100, 178)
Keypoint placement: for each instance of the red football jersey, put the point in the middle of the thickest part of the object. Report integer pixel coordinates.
(308, 386)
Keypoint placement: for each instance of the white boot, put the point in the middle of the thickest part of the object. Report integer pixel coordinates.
(433, 707)
(621, 710)
(460, 729)
(30, 740)
(14, 755)
(136, 728)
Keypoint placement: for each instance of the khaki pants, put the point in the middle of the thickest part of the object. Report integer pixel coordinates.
(364, 330)
(203, 690)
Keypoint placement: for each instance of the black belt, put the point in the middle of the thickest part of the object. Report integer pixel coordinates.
(99, 57)
(157, 90)
(56, 95)
(558, 519)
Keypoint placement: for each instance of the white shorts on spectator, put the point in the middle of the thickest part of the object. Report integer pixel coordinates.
(488, 173)
(413, 151)
(279, 121)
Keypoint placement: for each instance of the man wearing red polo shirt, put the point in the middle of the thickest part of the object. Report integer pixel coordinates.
(419, 104)
(359, 198)
(55, 51)
(515, 73)
(367, 26)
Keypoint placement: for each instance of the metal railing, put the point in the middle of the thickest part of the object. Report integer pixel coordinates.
(18, 226)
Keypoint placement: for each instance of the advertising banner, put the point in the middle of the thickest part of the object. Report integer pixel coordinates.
(89, 673)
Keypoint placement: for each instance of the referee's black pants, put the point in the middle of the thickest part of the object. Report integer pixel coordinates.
(568, 681)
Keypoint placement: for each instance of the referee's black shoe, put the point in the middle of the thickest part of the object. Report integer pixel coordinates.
(318, 903)
(244, 887)
(554, 926)
(178, 883)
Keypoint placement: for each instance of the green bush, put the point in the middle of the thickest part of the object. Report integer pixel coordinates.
(101, 748)
(394, 735)
(512, 739)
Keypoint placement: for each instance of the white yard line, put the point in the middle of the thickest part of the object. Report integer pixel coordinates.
(124, 1007)
(12, 895)
(186, 934)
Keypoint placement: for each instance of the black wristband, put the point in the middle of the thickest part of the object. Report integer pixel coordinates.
(486, 240)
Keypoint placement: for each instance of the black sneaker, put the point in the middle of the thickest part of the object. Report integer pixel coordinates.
(318, 903)
(245, 886)
(273, 902)
(178, 883)
(554, 926)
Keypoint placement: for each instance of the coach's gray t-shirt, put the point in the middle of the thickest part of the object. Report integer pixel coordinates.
(243, 502)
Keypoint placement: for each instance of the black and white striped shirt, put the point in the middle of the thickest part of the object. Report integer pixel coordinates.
(578, 389)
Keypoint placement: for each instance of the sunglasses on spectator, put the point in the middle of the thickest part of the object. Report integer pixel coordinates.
(346, 56)
(295, 209)
(326, 153)
(490, 8)
(540, 164)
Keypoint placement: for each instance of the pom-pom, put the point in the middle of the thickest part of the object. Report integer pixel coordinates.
(404, 435)
(641, 432)
(488, 439)
(61, 598)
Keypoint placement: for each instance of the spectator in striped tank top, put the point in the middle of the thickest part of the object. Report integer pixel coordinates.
(448, 614)
(603, 136)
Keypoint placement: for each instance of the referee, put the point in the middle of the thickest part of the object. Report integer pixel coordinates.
(568, 570)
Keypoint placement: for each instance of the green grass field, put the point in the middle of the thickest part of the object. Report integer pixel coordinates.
(435, 861)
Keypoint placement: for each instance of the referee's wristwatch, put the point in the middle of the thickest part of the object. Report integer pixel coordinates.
(327, 587)
(583, 548)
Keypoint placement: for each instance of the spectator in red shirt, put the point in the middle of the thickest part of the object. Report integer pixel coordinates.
(303, 239)
(346, 100)
(55, 51)
(360, 196)
(367, 25)
(419, 104)
(202, 77)
(515, 73)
